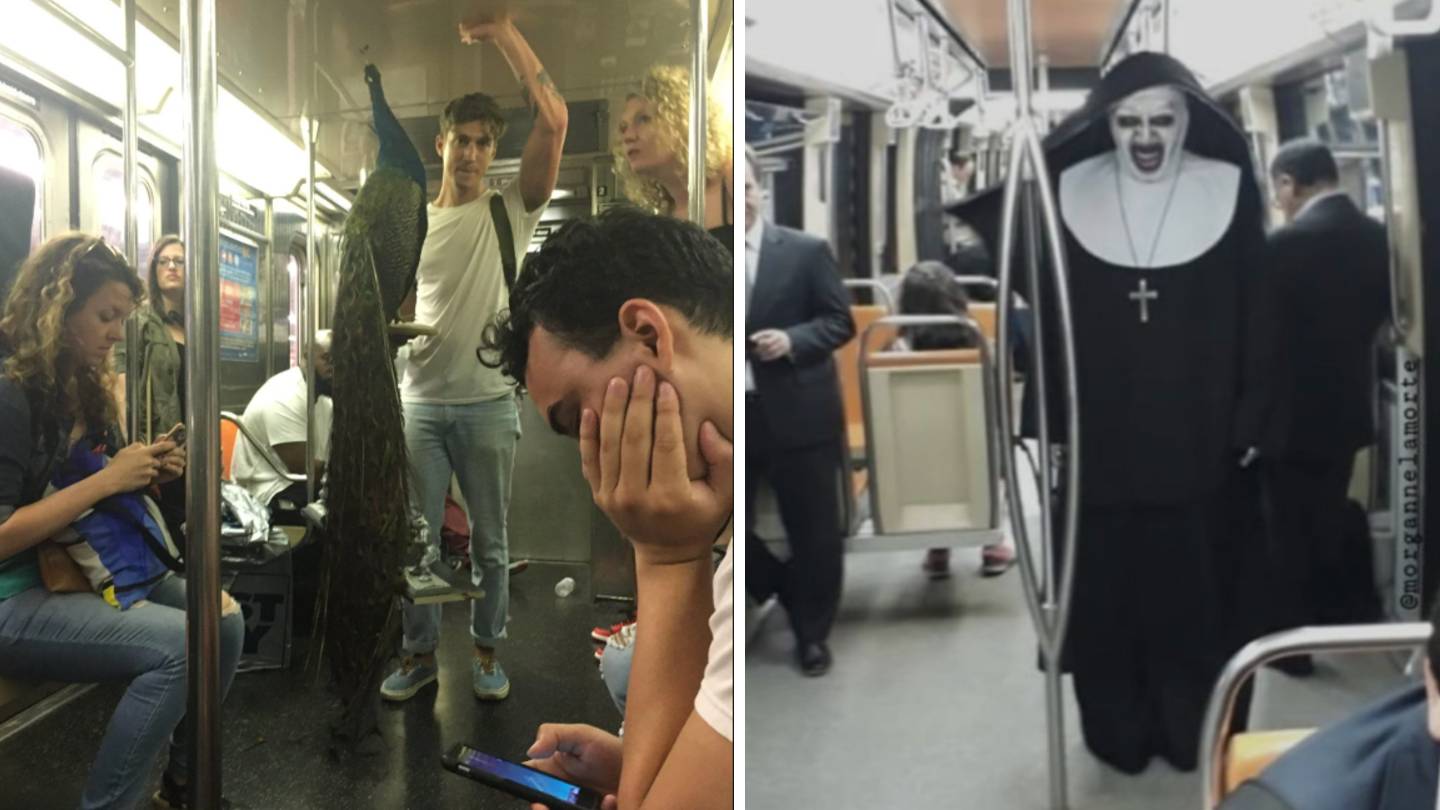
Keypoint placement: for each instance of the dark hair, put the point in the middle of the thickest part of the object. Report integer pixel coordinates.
(576, 283)
(929, 288)
(473, 107)
(1307, 161)
(155, 300)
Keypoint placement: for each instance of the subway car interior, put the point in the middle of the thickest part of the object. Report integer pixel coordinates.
(887, 137)
(290, 116)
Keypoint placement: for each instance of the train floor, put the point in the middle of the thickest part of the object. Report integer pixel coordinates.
(275, 732)
(934, 700)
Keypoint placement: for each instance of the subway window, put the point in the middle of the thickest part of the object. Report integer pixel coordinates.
(20, 151)
(110, 201)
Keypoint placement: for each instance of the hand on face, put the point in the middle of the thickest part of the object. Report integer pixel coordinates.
(633, 458)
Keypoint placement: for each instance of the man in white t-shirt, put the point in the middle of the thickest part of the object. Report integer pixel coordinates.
(276, 417)
(460, 417)
(617, 321)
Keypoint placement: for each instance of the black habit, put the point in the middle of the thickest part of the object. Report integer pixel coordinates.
(1168, 404)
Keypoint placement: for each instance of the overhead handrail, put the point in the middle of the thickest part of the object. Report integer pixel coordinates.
(1382, 19)
(1220, 711)
(872, 284)
(1048, 601)
(987, 370)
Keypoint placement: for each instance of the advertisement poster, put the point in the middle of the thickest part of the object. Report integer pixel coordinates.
(239, 301)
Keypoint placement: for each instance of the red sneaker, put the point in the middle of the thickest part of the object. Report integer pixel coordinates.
(996, 560)
(602, 634)
(937, 563)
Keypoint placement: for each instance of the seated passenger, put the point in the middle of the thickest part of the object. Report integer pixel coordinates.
(929, 288)
(1383, 758)
(55, 392)
(276, 417)
(630, 306)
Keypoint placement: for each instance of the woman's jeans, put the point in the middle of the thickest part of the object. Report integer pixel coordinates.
(77, 637)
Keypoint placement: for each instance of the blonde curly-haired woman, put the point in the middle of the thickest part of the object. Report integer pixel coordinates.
(652, 151)
(65, 313)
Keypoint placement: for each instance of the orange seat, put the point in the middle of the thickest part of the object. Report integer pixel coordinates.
(984, 317)
(1252, 752)
(847, 357)
(228, 432)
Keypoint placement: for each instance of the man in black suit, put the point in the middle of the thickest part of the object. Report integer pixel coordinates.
(1329, 288)
(797, 315)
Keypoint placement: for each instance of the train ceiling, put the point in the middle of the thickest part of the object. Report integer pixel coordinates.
(1072, 33)
(593, 49)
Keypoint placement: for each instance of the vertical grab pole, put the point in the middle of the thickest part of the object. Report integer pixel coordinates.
(308, 309)
(1048, 601)
(699, 74)
(202, 315)
(130, 139)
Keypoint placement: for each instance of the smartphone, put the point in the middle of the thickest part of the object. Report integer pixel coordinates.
(177, 435)
(520, 781)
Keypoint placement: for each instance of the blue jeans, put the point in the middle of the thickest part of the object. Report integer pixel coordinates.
(77, 637)
(615, 672)
(475, 442)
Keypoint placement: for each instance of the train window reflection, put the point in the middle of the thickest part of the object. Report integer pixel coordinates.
(20, 152)
(110, 199)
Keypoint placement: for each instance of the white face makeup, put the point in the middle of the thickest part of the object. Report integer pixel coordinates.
(1149, 130)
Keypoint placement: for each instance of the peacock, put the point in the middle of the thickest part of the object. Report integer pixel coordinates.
(368, 529)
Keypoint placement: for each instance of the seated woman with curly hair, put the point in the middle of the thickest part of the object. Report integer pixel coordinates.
(652, 151)
(65, 313)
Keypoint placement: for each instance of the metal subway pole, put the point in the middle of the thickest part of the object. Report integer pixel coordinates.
(308, 309)
(1027, 184)
(129, 141)
(699, 74)
(202, 310)
(129, 145)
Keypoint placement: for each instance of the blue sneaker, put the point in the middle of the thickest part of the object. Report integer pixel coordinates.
(489, 682)
(409, 679)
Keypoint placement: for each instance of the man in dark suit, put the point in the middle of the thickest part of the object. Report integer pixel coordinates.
(1382, 758)
(797, 315)
(1329, 288)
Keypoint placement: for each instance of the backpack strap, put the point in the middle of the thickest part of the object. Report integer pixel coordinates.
(507, 238)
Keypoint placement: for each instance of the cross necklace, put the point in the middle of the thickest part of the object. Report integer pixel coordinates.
(1144, 295)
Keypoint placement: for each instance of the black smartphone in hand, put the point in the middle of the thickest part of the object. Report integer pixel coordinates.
(520, 781)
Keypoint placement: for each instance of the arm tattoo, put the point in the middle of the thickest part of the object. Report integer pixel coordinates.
(545, 84)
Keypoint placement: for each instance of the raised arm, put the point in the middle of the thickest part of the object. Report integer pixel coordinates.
(540, 162)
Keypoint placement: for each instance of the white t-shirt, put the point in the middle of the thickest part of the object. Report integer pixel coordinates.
(460, 286)
(715, 703)
(276, 415)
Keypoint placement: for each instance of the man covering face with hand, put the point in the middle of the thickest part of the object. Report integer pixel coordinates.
(620, 327)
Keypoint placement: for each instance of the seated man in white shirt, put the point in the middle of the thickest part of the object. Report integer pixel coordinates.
(634, 308)
(276, 418)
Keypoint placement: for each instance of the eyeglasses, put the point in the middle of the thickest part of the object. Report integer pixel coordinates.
(177, 262)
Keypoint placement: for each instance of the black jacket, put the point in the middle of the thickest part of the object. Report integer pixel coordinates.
(1328, 287)
(798, 289)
